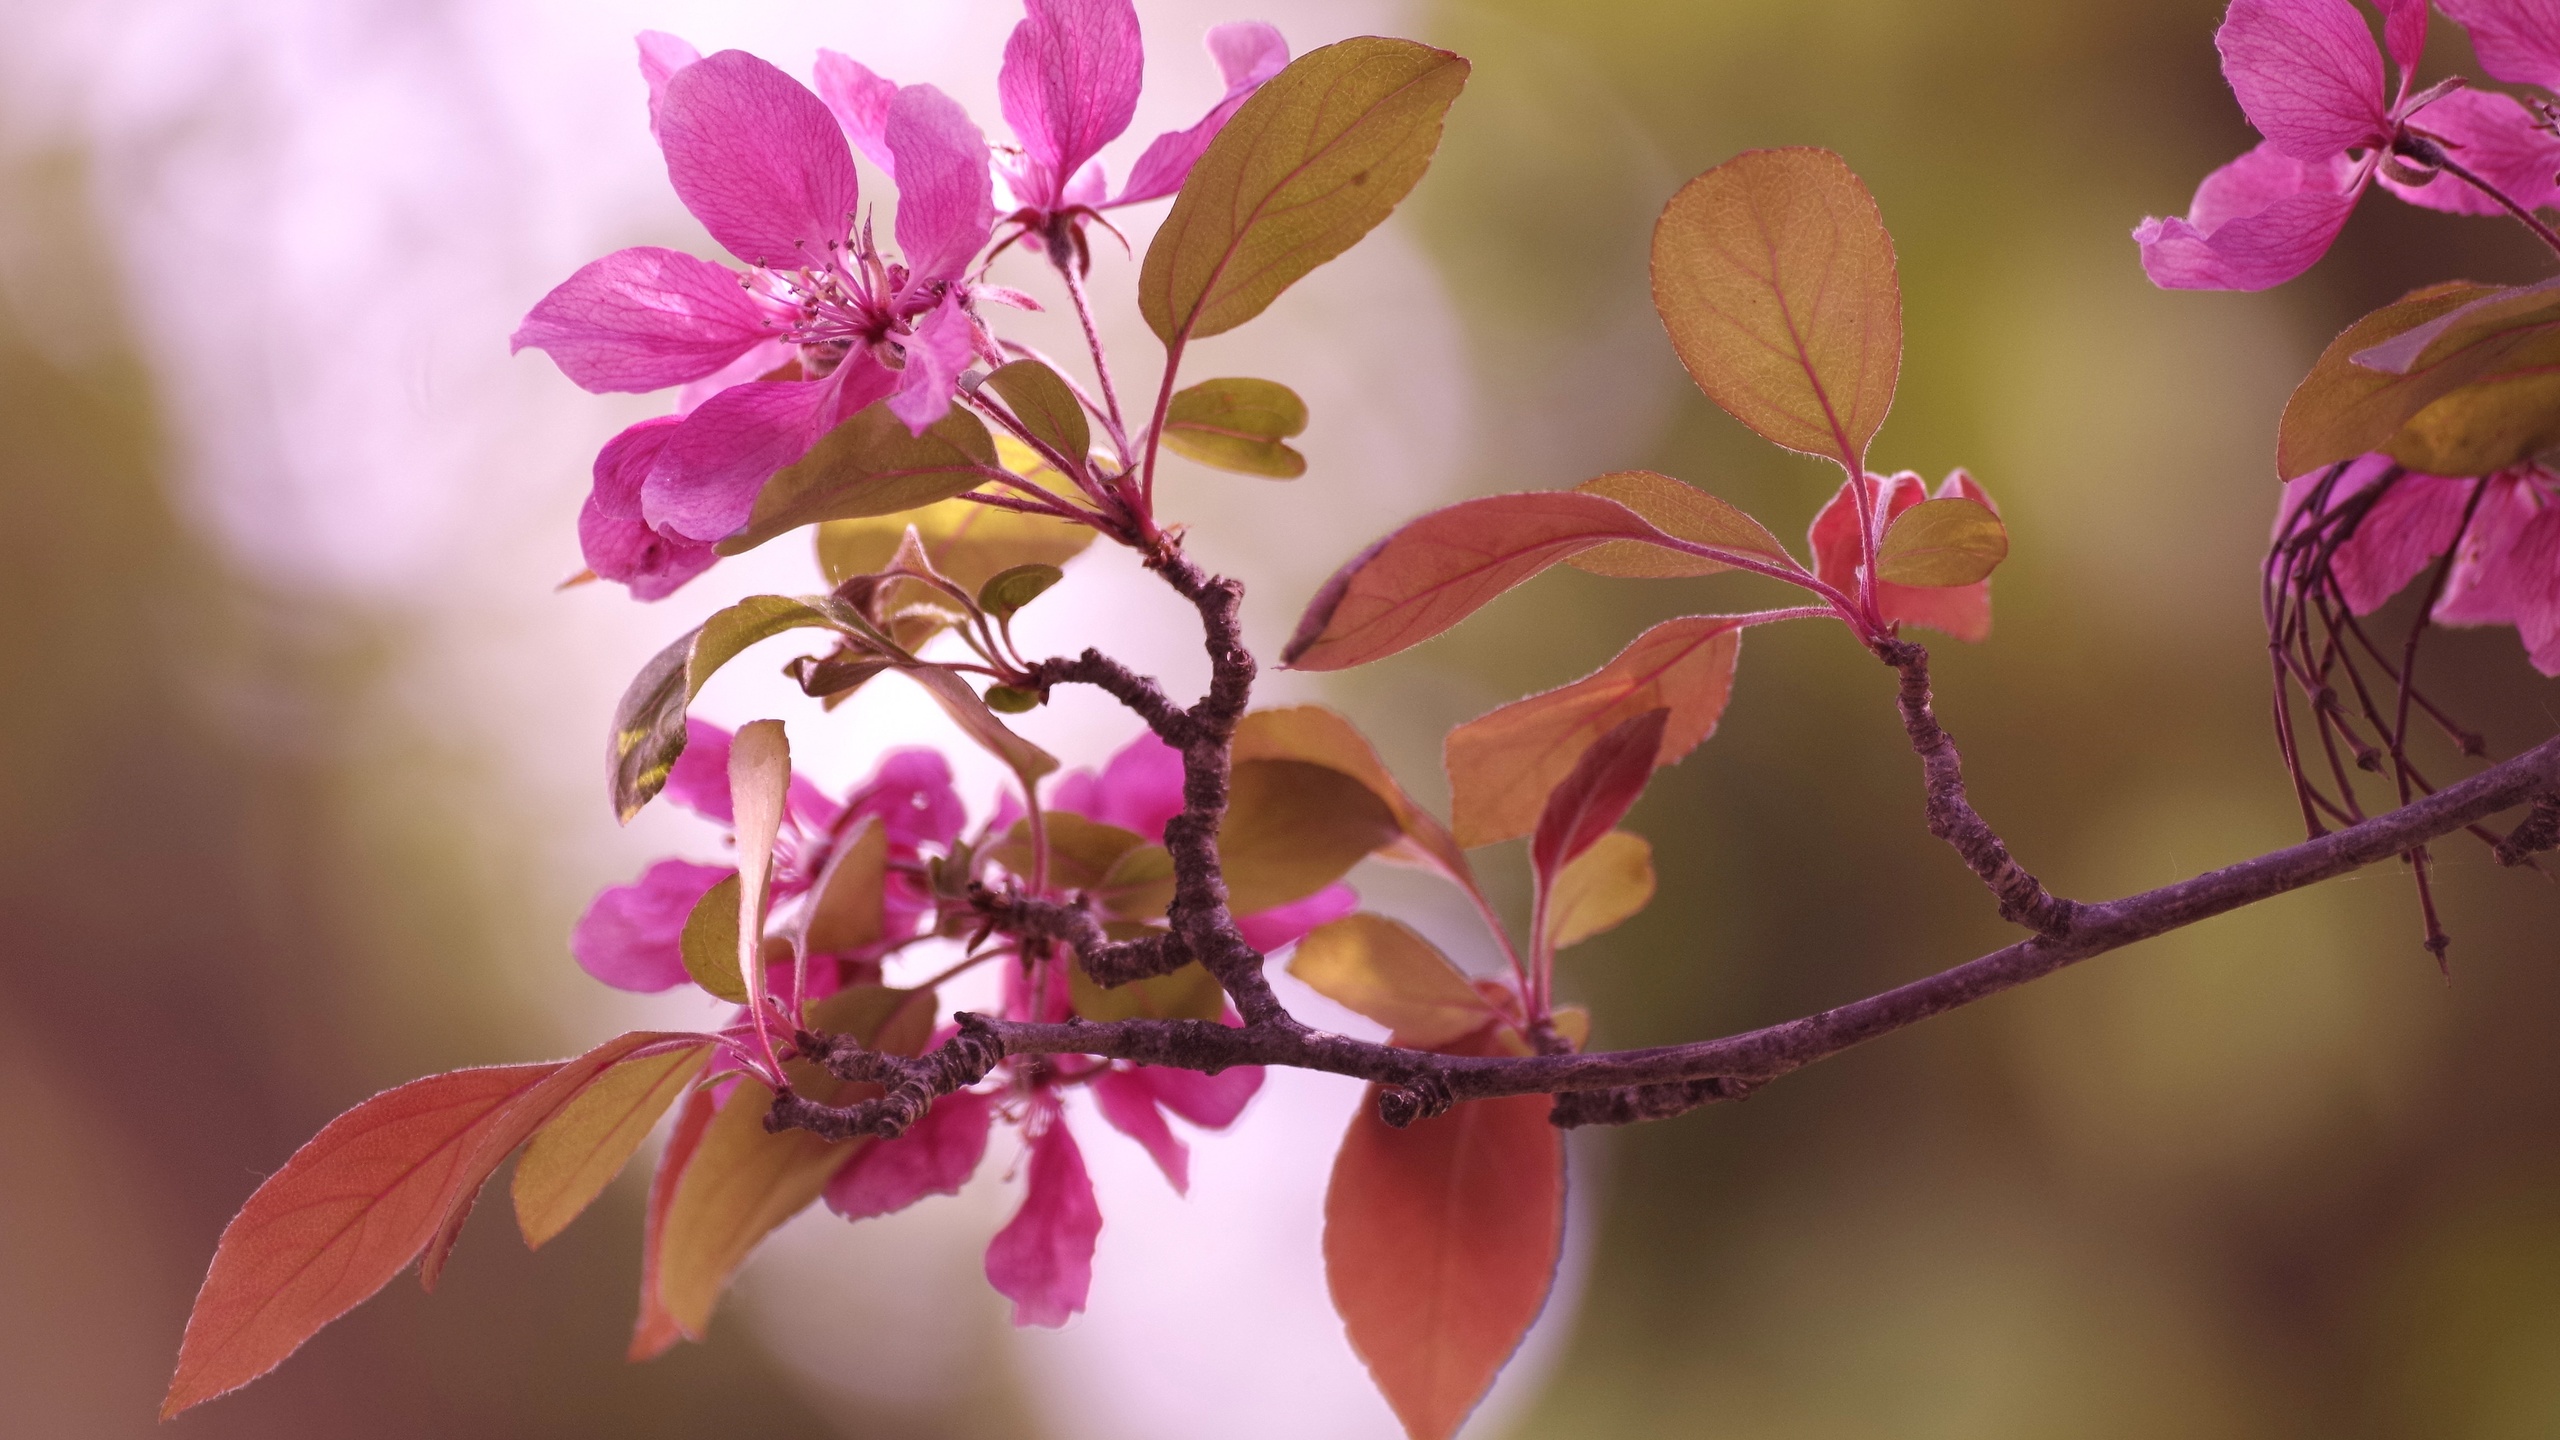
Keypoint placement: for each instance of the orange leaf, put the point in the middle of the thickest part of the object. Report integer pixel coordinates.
(583, 1147)
(1440, 1245)
(1381, 969)
(656, 1331)
(1503, 765)
(1319, 737)
(1775, 277)
(1439, 569)
(387, 1180)
(1681, 509)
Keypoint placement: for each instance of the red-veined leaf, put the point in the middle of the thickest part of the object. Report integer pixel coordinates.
(1440, 1246)
(1045, 406)
(1439, 569)
(1775, 276)
(1602, 786)
(1677, 508)
(2343, 409)
(378, 1186)
(1502, 765)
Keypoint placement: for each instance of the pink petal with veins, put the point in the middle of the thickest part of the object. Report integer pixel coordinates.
(1042, 1259)
(946, 200)
(705, 483)
(2536, 561)
(2488, 585)
(860, 100)
(1130, 1105)
(2494, 137)
(1248, 52)
(661, 56)
(632, 936)
(756, 364)
(759, 160)
(2413, 523)
(2517, 41)
(699, 781)
(936, 1156)
(1211, 1102)
(1138, 790)
(617, 543)
(643, 319)
(1284, 925)
(2256, 222)
(2404, 34)
(1070, 82)
(2306, 72)
(944, 339)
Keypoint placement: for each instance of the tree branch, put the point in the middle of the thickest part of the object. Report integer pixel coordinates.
(1619, 1086)
(1952, 818)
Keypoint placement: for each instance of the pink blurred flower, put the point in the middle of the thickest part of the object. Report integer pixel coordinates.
(1072, 72)
(2505, 545)
(2310, 78)
(1963, 611)
(819, 326)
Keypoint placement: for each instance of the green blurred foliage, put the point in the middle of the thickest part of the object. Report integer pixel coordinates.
(2271, 1176)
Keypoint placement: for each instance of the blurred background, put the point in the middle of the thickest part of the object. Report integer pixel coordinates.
(299, 792)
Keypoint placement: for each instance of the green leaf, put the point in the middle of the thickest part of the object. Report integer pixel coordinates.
(1320, 737)
(2485, 426)
(1945, 542)
(980, 724)
(578, 1152)
(1006, 592)
(1081, 851)
(1379, 968)
(648, 724)
(1601, 889)
(1237, 424)
(1775, 277)
(844, 912)
(2343, 409)
(1045, 406)
(1190, 993)
(1011, 699)
(1680, 509)
(870, 465)
(711, 942)
(1319, 155)
(1292, 828)
(969, 542)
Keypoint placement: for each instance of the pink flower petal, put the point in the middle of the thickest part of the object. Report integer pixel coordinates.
(2494, 137)
(2256, 222)
(1069, 85)
(2413, 523)
(2307, 74)
(661, 56)
(1138, 790)
(1248, 52)
(1129, 1103)
(643, 319)
(936, 1156)
(2517, 41)
(706, 480)
(756, 364)
(1042, 1259)
(699, 780)
(1284, 925)
(946, 199)
(759, 161)
(1211, 1102)
(2487, 585)
(617, 543)
(632, 935)
(938, 350)
(911, 793)
(860, 100)
(2404, 34)
(2536, 559)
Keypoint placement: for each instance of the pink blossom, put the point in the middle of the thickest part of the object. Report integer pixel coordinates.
(2517, 41)
(936, 1156)
(2505, 545)
(618, 543)
(819, 326)
(1069, 86)
(631, 936)
(2311, 79)
(1963, 611)
(1042, 1259)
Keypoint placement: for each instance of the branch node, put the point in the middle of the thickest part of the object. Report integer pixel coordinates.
(1423, 1096)
(2537, 832)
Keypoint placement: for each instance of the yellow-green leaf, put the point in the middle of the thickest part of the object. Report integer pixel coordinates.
(579, 1151)
(1945, 542)
(1775, 277)
(1045, 406)
(1378, 968)
(1238, 424)
(1320, 737)
(1190, 993)
(2484, 426)
(969, 542)
(1081, 851)
(1319, 155)
(1292, 828)
(648, 724)
(844, 911)
(870, 465)
(1676, 508)
(980, 724)
(1004, 594)
(710, 942)
(1600, 889)
(2343, 409)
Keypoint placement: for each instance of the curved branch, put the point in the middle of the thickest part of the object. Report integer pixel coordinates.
(1952, 818)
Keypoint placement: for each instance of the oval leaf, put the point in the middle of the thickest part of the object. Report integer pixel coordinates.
(870, 465)
(1045, 406)
(648, 723)
(980, 724)
(710, 942)
(2343, 409)
(1677, 508)
(1319, 155)
(1775, 276)
(1318, 736)
(1441, 568)
(1293, 828)
(969, 542)
(1006, 592)
(1440, 1244)
(1237, 424)
(759, 790)
(1503, 764)
(572, 1158)
(1381, 969)
(2485, 426)
(1603, 887)
(1602, 786)
(1938, 543)
(845, 912)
